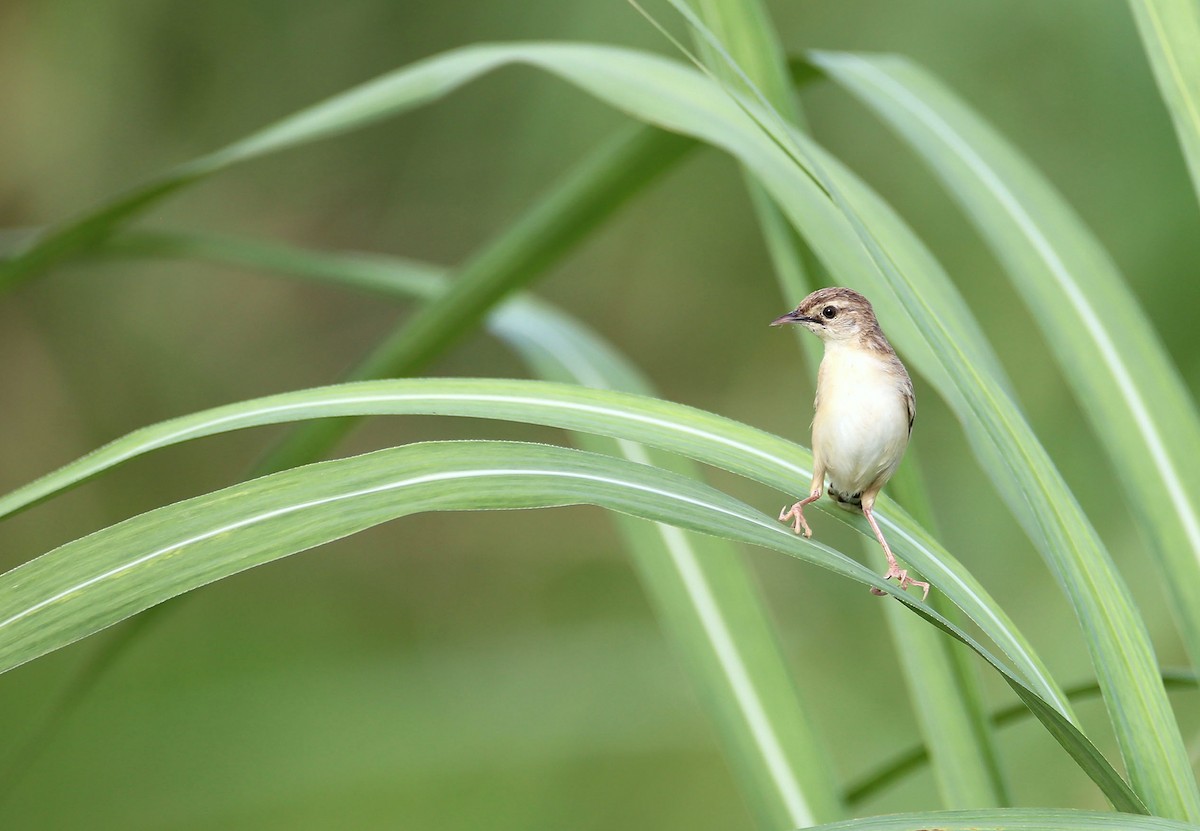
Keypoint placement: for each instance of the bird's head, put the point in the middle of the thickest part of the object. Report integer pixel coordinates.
(834, 314)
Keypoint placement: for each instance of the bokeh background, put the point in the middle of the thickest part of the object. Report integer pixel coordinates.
(505, 670)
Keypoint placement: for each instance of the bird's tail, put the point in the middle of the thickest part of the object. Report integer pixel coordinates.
(846, 501)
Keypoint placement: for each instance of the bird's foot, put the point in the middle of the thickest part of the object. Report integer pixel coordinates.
(800, 525)
(905, 581)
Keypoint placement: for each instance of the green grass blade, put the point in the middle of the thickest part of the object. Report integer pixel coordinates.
(388, 95)
(746, 30)
(707, 599)
(912, 759)
(1170, 31)
(672, 427)
(965, 713)
(746, 26)
(962, 766)
(386, 276)
(99, 579)
(1009, 819)
(1105, 346)
(699, 584)
(1117, 639)
(104, 577)
(1115, 633)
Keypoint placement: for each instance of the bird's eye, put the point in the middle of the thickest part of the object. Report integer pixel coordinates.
(829, 312)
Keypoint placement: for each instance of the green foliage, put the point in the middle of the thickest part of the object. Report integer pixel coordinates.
(638, 449)
(1170, 30)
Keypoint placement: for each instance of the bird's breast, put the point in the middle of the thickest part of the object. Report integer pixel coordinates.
(861, 427)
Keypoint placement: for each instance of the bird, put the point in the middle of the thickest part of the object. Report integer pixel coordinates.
(862, 416)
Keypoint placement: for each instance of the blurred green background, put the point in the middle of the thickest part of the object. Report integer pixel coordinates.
(505, 670)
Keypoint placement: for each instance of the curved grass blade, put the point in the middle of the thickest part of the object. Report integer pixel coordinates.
(1116, 635)
(746, 30)
(390, 94)
(1127, 387)
(1009, 819)
(941, 686)
(100, 579)
(1118, 642)
(1170, 31)
(672, 427)
(911, 760)
(386, 276)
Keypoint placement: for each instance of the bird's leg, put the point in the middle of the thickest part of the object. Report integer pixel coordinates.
(894, 570)
(800, 526)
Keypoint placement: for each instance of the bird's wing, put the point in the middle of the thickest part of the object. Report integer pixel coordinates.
(910, 401)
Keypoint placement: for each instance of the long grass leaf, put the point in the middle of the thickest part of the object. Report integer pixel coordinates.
(102, 578)
(746, 31)
(676, 428)
(1125, 383)
(943, 690)
(1170, 31)
(703, 592)
(1114, 632)
(1116, 635)
(908, 761)
(387, 95)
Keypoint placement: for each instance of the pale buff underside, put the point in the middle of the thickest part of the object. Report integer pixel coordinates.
(861, 425)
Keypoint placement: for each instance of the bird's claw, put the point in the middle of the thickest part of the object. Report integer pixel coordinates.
(901, 574)
(800, 525)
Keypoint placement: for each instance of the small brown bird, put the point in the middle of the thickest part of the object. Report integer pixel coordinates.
(863, 413)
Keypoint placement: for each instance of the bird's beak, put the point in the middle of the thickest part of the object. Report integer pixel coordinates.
(791, 317)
